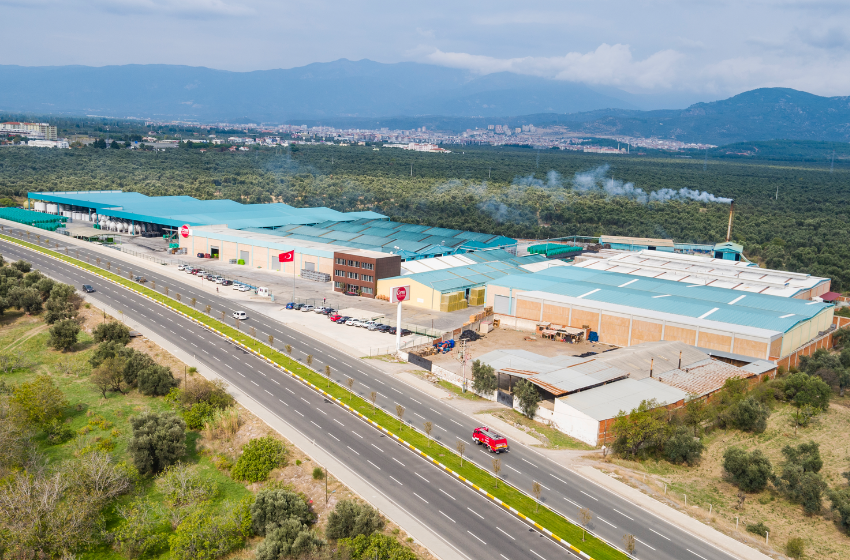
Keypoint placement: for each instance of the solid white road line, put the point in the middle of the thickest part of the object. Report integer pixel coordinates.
(659, 534)
(623, 514)
(476, 536)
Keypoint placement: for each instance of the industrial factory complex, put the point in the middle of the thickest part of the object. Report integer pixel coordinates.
(624, 292)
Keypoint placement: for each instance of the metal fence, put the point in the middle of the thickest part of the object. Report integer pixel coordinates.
(147, 257)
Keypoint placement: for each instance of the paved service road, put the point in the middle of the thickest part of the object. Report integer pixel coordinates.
(563, 490)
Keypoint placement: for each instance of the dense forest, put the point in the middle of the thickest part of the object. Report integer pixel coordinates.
(788, 215)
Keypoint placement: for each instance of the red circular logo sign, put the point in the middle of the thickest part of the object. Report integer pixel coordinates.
(184, 230)
(401, 294)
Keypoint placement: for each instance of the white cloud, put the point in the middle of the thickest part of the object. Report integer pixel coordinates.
(607, 65)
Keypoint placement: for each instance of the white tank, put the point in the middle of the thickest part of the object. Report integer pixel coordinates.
(95, 218)
(52, 208)
(40, 206)
(138, 229)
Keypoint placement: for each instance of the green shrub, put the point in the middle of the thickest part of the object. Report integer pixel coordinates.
(749, 471)
(840, 499)
(159, 440)
(683, 447)
(59, 432)
(258, 458)
(183, 485)
(41, 400)
(758, 529)
(749, 415)
(143, 529)
(350, 519)
(112, 332)
(483, 378)
(156, 380)
(272, 508)
(197, 415)
(63, 334)
(376, 545)
(799, 478)
(318, 473)
(291, 540)
(203, 536)
(528, 397)
(795, 547)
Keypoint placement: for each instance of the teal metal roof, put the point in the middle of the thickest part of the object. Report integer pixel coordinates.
(470, 276)
(666, 296)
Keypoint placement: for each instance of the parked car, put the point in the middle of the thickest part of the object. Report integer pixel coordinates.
(307, 308)
(219, 280)
(244, 288)
(405, 332)
(181, 267)
(236, 284)
(328, 311)
(226, 282)
(298, 306)
(351, 322)
(87, 288)
(334, 317)
(241, 315)
(200, 255)
(367, 324)
(342, 320)
(382, 327)
(290, 305)
(189, 270)
(372, 327)
(318, 309)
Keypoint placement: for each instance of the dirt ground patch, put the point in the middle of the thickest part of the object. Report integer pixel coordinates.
(502, 339)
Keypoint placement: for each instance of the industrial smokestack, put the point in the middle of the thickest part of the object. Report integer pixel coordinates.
(680, 359)
(651, 364)
(729, 229)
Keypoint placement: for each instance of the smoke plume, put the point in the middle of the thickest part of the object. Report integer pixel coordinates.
(597, 181)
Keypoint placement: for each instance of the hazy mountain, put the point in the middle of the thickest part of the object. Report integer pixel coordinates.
(322, 90)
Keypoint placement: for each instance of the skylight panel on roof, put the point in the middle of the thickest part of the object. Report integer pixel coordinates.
(707, 313)
(627, 283)
(737, 299)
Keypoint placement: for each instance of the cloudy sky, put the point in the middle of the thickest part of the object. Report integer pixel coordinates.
(705, 48)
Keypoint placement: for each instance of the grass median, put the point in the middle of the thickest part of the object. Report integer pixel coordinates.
(429, 447)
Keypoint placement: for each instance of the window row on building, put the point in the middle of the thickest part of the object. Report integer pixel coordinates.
(355, 264)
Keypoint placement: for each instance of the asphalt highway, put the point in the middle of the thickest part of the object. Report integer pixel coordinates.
(460, 519)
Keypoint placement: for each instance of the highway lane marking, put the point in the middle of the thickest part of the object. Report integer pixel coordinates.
(508, 534)
(290, 390)
(545, 487)
(456, 422)
(588, 495)
(391, 476)
(474, 535)
(338, 422)
(694, 553)
(436, 426)
(527, 461)
(623, 514)
(510, 467)
(475, 512)
(267, 391)
(381, 382)
(322, 411)
(216, 357)
(305, 400)
(659, 534)
(192, 343)
(315, 424)
(414, 400)
(363, 372)
(446, 493)
(397, 461)
(381, 394)
(643, 543)
(356, 434)
(536, 554)
(419, 415)
(276, 381)
(608, 522)
(228, 365)
(333, 436)
(447, 517)
(373, 464)
(572, 502)
(420, 497)
(440, 413)
(422, 477)
(283, 402)
(396, 390)
(558, 479)
(298, 413)
(254, 382)
(378, 448)
(240, 373)
(352, 450)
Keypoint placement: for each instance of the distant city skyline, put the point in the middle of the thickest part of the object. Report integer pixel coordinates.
(706, 50)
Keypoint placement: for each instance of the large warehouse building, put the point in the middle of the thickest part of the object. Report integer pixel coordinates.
(625, 311)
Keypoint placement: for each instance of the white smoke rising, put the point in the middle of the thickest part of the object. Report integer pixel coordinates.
(597, 181)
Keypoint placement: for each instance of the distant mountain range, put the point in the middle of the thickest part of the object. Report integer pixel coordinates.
(367, 94)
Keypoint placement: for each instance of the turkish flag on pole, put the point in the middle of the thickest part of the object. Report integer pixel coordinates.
(287, 257)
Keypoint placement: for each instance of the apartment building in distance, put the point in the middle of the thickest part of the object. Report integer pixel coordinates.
(39, 131)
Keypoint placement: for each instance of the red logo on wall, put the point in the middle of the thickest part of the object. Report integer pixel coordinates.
(184, 230)
(401, 294)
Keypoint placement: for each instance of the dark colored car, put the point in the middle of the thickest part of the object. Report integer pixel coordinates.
(87, 289)
(384, 328)
(405, 332)
(290, 305)
(227, 283)
(391, 330)
(298, 306)
(342, 320)
(200, 255)
(328, 311)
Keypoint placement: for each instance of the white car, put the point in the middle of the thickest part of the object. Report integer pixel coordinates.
(181, 267)
(219, 280)
(237, 285)
(319, 309)
(244, 288)
(368, 324)
(352, 322)
(307, 308)
(241, 315)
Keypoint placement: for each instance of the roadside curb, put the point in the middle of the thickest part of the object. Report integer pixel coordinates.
(67, 259)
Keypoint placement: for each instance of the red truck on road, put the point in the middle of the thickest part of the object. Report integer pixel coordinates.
(495, 443)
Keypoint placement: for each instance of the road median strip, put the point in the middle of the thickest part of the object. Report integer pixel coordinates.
(503, 494)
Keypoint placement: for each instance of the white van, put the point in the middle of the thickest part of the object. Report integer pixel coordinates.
(241, 315)
(263, 292)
